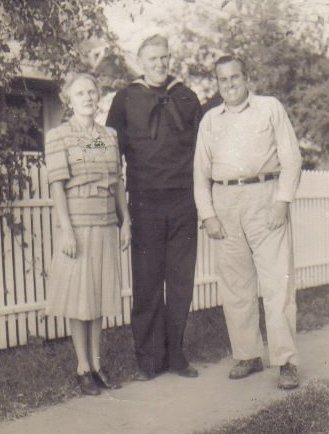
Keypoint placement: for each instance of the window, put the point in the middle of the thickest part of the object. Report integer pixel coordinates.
(23, 114)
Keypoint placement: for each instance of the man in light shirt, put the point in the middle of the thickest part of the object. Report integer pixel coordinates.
(246, 172)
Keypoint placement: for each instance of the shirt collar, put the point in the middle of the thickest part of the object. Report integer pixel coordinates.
(248, 102)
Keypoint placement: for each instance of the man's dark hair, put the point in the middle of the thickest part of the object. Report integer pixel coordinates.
(231, 58)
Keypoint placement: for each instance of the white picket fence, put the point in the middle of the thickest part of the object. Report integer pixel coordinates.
(26, 258)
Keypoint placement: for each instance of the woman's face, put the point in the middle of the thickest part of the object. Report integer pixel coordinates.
(84, 97)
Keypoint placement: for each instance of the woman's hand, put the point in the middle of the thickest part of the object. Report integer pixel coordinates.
(69, 243)
(125, 234)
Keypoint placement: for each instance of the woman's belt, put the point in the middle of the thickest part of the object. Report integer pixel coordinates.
(242, 181)
(92, 211)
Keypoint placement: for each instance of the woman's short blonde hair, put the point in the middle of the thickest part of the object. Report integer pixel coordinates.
(71, 78)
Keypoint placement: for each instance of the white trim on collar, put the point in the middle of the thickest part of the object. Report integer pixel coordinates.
(141, 81)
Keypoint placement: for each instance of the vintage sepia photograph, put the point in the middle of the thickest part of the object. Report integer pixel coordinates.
(164, 217)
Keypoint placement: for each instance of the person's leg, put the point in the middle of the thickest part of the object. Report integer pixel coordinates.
(237, 276)
(80, 343)
(79, 332)
(148, 265)
(94, 336)
(273, 256)
(180, 268)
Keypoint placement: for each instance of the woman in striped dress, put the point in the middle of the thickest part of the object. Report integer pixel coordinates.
(84, 172)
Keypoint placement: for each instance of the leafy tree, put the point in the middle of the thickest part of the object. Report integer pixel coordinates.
(52, 33)
(55, 36)
(286, 54)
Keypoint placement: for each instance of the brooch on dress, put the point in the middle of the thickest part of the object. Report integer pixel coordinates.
(96, 144)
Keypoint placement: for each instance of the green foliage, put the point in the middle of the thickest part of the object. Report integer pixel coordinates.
(54, 37)
(51, 33)
(286, 55)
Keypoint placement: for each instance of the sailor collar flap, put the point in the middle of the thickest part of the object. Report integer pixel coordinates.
(161, 102)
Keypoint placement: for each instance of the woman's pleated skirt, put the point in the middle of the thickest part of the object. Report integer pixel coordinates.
(87, 287)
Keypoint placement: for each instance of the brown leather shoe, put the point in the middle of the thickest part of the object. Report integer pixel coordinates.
(188, 372)
(87, 384)
(288, 377)
(102, 380)
(246, 367)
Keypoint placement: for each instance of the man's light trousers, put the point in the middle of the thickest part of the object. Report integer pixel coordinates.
(250, 254)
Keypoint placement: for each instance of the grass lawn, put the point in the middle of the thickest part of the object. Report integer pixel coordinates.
(43, 373)
(303, 412)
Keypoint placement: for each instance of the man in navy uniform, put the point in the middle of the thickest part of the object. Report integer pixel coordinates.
(156, 118)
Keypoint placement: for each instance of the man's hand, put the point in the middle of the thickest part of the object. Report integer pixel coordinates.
(69, 243)
(278, 215)
(214, 228)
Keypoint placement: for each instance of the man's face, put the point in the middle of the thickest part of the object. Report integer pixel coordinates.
(232, 83)
(154, 61)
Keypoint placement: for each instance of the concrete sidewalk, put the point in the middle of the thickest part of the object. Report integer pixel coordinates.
(174, 405)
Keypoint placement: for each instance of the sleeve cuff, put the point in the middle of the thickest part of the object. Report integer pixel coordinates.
(204, 216)
(284, 197)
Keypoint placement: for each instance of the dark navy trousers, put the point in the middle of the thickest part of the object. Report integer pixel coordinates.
(164, 239)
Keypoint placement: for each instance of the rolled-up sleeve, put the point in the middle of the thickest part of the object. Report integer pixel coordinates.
(202, 173)
(56, 156)
(288, 153)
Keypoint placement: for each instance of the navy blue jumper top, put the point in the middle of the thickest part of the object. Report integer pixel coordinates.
(157, 128)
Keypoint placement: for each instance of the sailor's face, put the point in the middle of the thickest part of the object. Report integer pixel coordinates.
(154, 61)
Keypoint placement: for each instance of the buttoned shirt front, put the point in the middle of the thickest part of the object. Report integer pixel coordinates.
(255, 140)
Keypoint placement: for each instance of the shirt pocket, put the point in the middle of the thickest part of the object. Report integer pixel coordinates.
(260, 126)
(260, 136)
(75, 154)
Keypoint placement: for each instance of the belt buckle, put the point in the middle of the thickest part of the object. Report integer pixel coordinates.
(240, 181)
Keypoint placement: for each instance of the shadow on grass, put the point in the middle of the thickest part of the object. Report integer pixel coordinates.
(303, 412)
(43, 373)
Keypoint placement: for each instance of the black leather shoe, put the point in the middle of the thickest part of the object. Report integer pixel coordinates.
(102, 380)
(87, 384)
(188, 372)
(143, 376)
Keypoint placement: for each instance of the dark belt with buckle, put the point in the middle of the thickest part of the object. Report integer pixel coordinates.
(253, 180)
